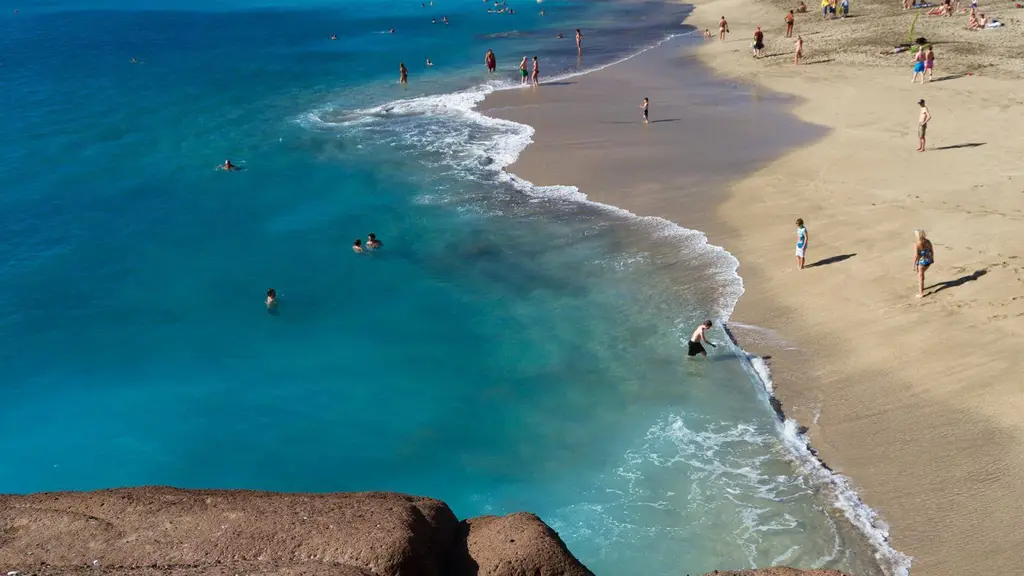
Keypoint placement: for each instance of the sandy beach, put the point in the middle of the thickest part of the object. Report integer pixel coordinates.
(917, 400)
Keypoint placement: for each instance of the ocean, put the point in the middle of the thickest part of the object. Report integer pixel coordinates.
(511, 347)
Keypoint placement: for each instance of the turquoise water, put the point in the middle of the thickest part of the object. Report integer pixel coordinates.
(510, 348)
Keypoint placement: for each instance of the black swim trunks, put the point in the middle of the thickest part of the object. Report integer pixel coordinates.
(696, 348)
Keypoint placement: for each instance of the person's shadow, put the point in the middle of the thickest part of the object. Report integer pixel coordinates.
(831, 260)
(957, 282)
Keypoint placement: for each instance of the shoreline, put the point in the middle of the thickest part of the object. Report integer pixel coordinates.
(938, 457)
(863, 520)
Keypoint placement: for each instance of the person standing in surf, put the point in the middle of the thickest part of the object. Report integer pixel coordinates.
(536, 72)
(698, 340)
(491, 61)
(523, 71)
(403, 74)
(579, 41)
(802, 238)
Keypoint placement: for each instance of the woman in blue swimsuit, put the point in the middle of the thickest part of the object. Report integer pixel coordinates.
(801, 242)
(924, 256)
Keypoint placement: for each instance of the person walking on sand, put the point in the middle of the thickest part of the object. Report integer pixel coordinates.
(924, 256)
(535, 75)
(723, 29)
(699, 338)
(918, 65)
(579, 41)
(802, 239)
(403, 73)
(523, 72)
(799, 53)
(789, 24)
(646, 106)
(758, 42)
(929, 64)
(922, 124)
(491, 61)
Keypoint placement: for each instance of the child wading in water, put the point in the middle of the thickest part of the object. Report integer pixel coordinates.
(646, 106)
(802, 239)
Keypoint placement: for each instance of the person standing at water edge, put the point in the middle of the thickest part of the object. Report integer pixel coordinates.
(802, 238)
(922, 124)
(924, 256)
(403, 74)
(523, 71)
(646, 106)
(723, 28)
(700, 335)
(579, 41)
(536, 72)
(491, 61)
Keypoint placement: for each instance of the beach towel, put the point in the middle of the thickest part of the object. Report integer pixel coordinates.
(993, 25)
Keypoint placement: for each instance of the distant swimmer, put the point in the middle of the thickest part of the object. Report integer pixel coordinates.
(403, 74)
(444, 19)
(392, 31)
(579, 41)
(271, 299)
(491, 61)
(372, 242)
(700, 335)
(134, 61)
(227, 165)
(334, 36)
(561, 36)
(429, 63)
(433, 20)
(357, 246)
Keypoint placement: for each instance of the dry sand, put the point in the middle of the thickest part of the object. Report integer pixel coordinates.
(919, 401)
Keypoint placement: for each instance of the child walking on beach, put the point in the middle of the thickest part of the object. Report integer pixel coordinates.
(802, 239)
(646, 106)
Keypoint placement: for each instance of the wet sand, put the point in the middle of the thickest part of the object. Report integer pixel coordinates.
(917, 400)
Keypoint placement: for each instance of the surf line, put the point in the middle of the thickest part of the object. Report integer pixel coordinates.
(860, 515)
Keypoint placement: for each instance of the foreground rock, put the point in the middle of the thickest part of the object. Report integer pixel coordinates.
(166, 531)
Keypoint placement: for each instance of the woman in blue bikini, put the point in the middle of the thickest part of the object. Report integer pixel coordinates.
(924, 256)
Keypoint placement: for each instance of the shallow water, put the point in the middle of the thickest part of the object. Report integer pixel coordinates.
(509, 349)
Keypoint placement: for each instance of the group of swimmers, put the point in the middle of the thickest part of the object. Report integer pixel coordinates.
(372, 243)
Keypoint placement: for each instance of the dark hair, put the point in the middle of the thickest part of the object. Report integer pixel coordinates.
(707, 323)
(372, 236)
(577, 29)
(358, 242)
(272, 293)
(534, 57)
(799, 221)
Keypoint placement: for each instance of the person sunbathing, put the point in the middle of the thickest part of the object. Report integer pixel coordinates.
(802, 8)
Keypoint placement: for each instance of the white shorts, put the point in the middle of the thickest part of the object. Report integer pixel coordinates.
(800, 252)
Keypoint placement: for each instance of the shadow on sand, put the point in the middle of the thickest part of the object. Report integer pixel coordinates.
(831, 260)
(958, 282)
(967, 145)
(948, 77)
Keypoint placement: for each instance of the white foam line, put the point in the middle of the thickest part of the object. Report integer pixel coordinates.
(863, 517)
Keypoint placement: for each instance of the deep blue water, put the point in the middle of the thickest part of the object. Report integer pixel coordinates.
(509, 348)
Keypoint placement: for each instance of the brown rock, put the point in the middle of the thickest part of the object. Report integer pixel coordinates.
(152, 528)
(777, 571)
(513, 545)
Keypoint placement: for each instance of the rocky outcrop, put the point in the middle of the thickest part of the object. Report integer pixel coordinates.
(778, 571)
(165, 531)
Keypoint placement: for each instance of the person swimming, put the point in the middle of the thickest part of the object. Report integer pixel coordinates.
(271, 299)
(334, 36)
(429, 63)
(391, 31)
(372, 242)
(227, 165)
(357, 246)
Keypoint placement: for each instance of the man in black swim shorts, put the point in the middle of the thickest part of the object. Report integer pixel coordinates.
(699, 335)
